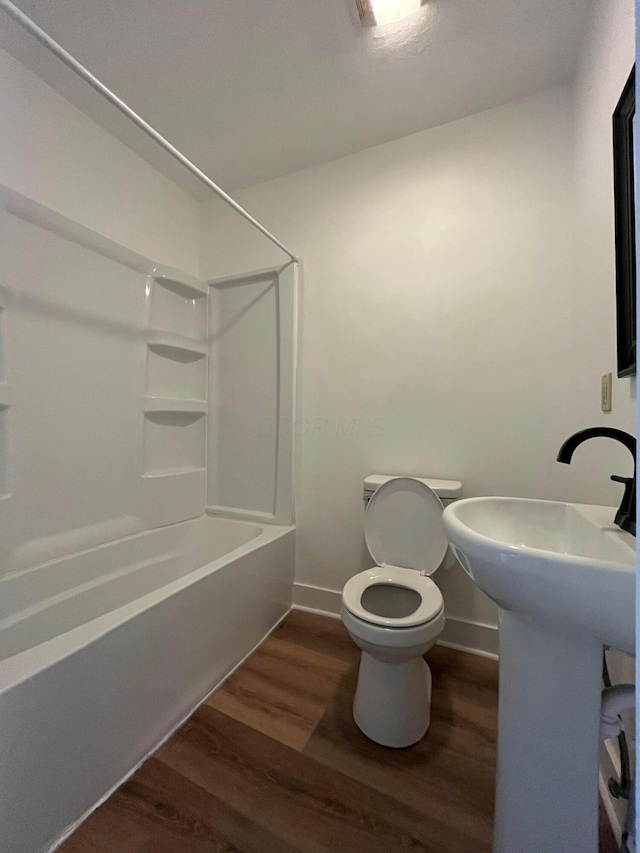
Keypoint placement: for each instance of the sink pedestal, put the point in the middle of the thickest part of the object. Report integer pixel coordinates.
(549, 716)
(564, 577)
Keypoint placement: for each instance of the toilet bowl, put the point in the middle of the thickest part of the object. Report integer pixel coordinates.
(394, 612)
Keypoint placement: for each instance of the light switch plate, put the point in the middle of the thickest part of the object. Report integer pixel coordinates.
(605, 392)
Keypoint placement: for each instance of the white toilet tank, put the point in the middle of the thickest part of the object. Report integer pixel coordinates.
(446, 490)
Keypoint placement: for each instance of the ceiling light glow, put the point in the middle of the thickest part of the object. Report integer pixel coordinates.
(389, 11)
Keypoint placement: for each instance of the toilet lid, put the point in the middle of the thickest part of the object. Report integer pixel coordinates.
(403, 526)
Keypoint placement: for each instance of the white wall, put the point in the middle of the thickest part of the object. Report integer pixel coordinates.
(607, 59)
(436, 313)
(52, 153)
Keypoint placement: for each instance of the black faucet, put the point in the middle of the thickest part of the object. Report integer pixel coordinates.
(626, 515)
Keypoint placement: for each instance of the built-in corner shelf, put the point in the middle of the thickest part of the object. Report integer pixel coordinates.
(170, 496)
(174, 476)
(167, 405)
(176, 347)
(174, 479)
(186, 287)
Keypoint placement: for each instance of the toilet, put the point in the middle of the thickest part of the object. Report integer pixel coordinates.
(394, 612)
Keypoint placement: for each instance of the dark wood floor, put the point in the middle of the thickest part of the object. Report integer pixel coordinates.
(273, 763)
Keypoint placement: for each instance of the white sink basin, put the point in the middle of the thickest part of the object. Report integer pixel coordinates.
(565, 564)
(564, 578)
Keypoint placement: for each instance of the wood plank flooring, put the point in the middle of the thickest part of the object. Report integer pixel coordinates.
(273, 763)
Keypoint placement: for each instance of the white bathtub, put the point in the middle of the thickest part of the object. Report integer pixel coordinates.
(104, 652)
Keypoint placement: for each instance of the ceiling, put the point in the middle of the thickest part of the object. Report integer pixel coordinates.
(251, 90)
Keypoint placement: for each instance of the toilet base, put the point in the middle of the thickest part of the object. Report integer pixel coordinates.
(392, 704)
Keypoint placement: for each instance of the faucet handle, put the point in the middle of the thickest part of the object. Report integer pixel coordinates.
(626, 515)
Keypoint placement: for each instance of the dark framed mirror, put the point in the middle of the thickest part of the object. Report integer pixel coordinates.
(625, 227)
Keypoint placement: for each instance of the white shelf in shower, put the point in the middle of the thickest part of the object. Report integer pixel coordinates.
(172, 405)
(185, 286)
(171, 496)
(173, 476)
(176, 347)
(174, 479)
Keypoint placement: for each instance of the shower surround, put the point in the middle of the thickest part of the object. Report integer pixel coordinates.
(135, 571)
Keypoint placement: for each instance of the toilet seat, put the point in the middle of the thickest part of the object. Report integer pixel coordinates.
(430, 607)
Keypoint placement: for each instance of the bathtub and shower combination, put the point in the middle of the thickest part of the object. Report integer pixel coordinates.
(143, 554)
(146, 522)
(106, 651)
(146, 542)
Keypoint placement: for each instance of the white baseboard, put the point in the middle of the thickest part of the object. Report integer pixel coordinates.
(315, 610)
(462, 634)
(316, 599)
(468, 636)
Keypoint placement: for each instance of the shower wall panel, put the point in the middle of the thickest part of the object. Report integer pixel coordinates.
(252, 332)
(244, 384)
(73, 427)
(102, 389)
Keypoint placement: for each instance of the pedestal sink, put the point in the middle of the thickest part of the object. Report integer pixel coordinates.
(564, 578)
